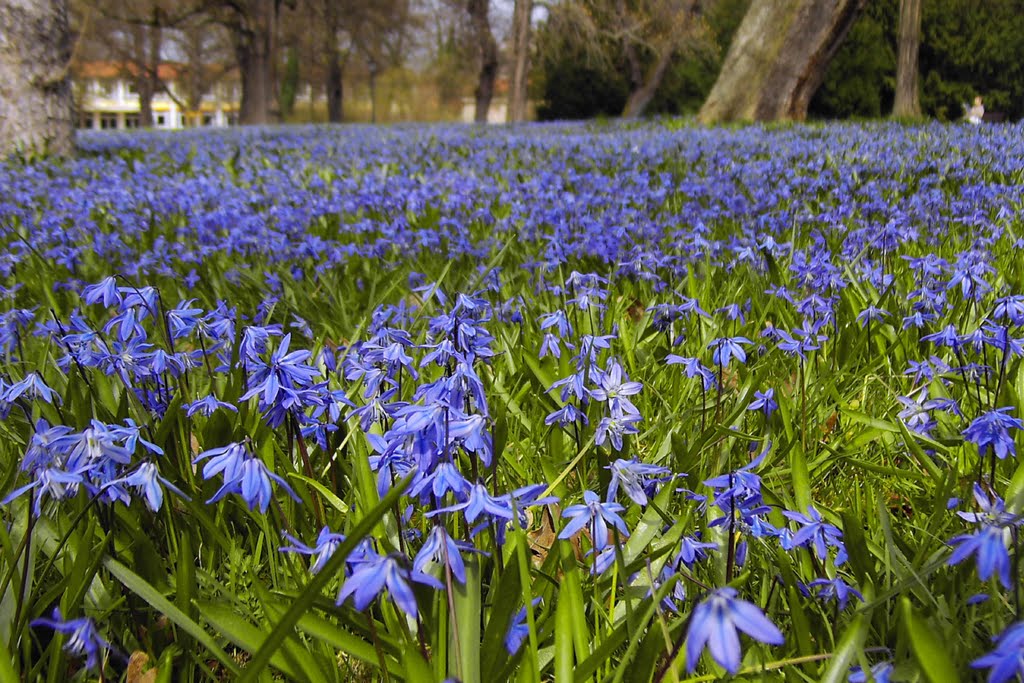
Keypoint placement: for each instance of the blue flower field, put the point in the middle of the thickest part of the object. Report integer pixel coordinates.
(569, 402)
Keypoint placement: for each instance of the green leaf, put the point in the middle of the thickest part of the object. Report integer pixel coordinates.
(845, 654)
(860, 557)
(317, 627)
(328, 495)
(416, 668)
(7, 672)
(800, 477)
(467, 622)
(318, 582)
(248, 636)
(931, 654)
(504, 606)
(563, 641)
(157, 601)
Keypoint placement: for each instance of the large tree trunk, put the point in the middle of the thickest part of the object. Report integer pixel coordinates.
(35, 95)
(488, 50)
(256, 49)
(333, 84)
(520, 60)
(907, 102)
(778, 59)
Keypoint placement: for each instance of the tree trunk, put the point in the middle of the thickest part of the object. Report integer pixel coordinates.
(152, 69)
(333, 84)
(778, 59)
(255, 49)
(907, 102)
(488, 50)
(145, 62)
(520, 60)
(642, 96)
(35, 95)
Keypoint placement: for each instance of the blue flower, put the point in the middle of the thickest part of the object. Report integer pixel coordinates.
(596, 516)
(880, 673)
(834, 589)
(105, 291)
(727, 348)
(472, 431)
(283, 370)
(84, 639)
(374, 574)
(58, 484)
(244, 474)
(992, 429)
(1006, 661)
(637, 479)
(989, 544)
(716, 622)
(147, 479)
(872, 314)
(615, 427)
(817, 532)
(614, 386)
(442, 549)
(693, 368)
(480, 503)
(519, 630)
(765, 402)
(692, 549)
(326, 543)
(32, 385)
(566, 415)
(207, 405)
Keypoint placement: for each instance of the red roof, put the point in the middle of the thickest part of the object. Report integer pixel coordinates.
(166, 71)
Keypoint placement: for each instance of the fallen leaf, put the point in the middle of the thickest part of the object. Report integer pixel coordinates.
(135, 674)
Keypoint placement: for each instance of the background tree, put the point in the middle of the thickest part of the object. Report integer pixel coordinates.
(453, 56)
(661, 27)
(334, 58)
(487, 56)
(907, 102)
(132, 34)
(778, 58)
(585, 68)
(972, 48)
(35, 94)
(253, 28)
(207, 56)
(517, 91)
(860, 80)
(968, 48)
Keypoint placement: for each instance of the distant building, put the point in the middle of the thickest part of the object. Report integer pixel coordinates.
(106, 99)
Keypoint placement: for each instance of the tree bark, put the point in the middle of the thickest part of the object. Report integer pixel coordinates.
(778, 59)
(488, 51)
(333, 83)
(255, 40)
(907, 102)
(520, 60)
(35, 95)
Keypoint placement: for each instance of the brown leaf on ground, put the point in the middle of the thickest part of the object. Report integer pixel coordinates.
(543, 538)
(136, 665)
